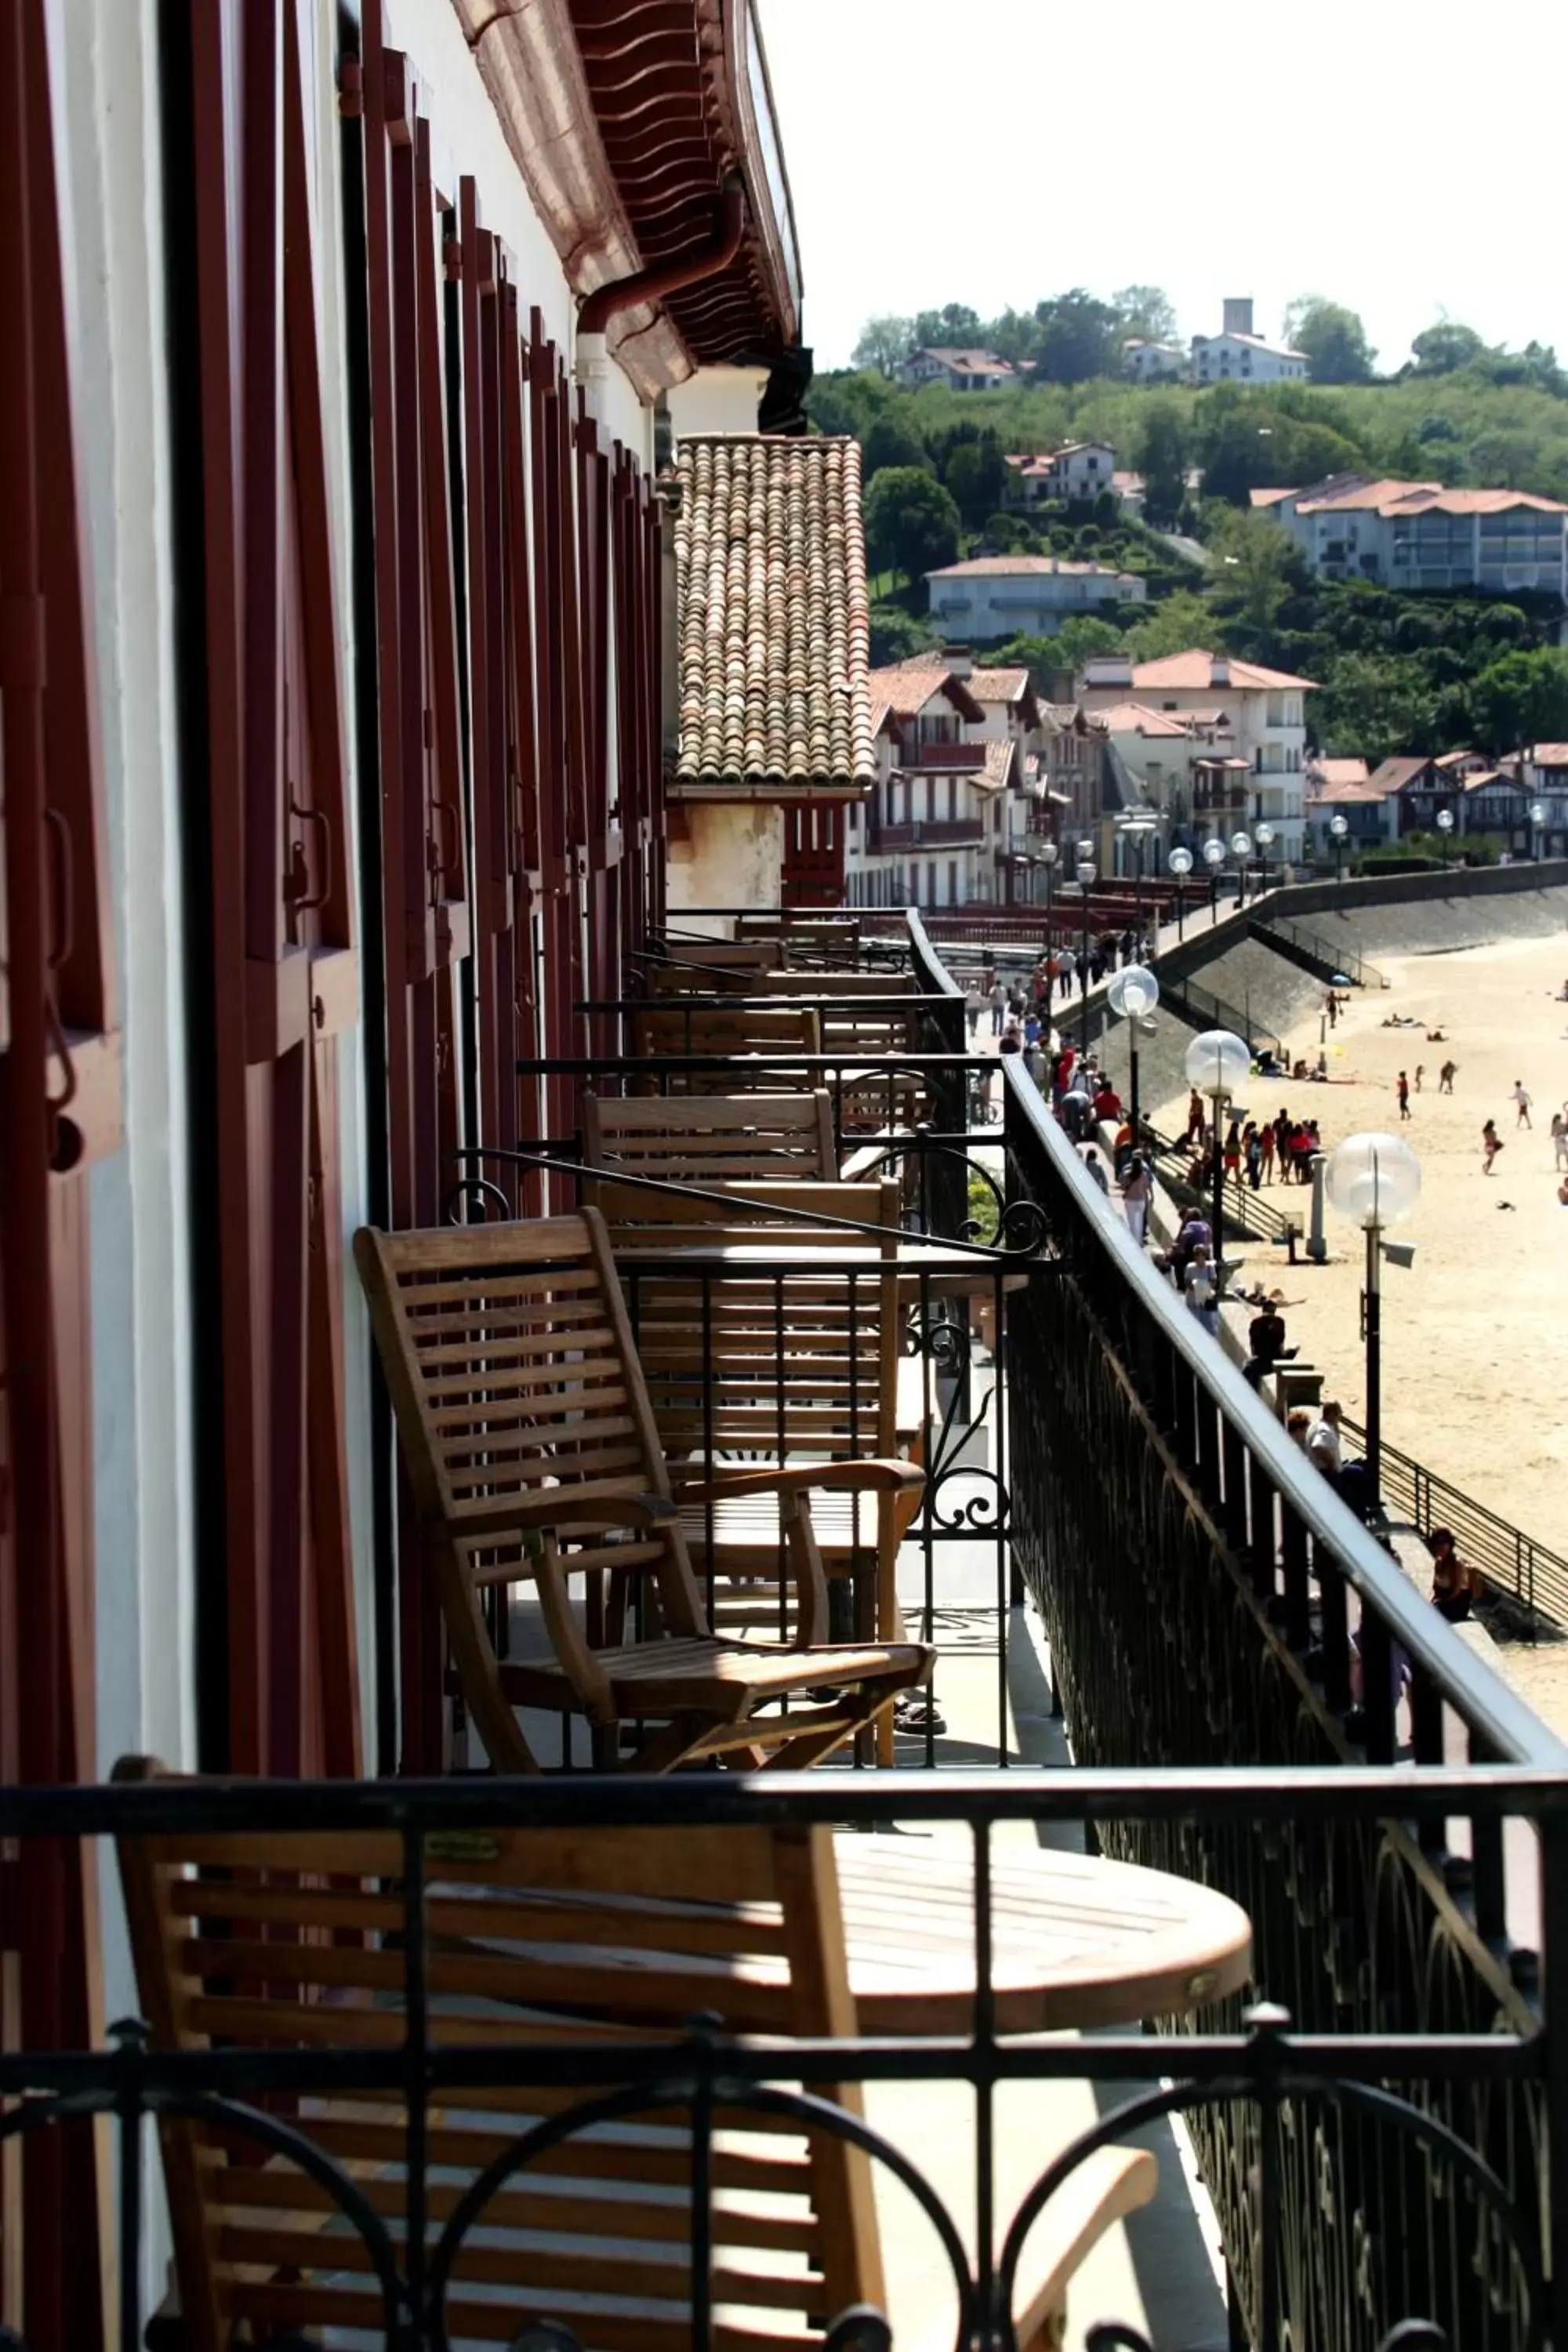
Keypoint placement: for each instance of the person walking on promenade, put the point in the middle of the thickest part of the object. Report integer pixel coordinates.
(1491, 1146)
(1446, 1077)
(971, 1004)
(1521, 1104)
(1402, 1091)
(998, 1005)
(1135, 1189)
(1194, 1133)
(1559, 1140)
(1198, 1282)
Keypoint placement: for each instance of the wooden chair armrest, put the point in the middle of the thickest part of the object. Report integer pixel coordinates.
(775, 1478)
(1104, 2189)
(503, 1514)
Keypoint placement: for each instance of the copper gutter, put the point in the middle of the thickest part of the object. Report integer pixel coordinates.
(667, 278)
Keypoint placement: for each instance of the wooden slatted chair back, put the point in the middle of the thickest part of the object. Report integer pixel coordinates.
(799, 1361)
(699, 1139)
(295, 1942)
(530, 1444)
(710, 1028)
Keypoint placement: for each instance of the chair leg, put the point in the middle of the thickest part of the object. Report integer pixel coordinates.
(665, 1750)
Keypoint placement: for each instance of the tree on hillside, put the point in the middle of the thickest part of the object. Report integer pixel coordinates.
(976, 475)
(1255, 567)
(1146, 310)
(1015, 337)
(1333, 338)
(1080, 636)
(955, 327)
(1522, 698)
(884, 344)
(1163, 461)
(1173, 625)
(1374, 706)
(1077, 338)
(911, 522)
(891, 440)
(895, 634)
(1445, 348)
(1246, 440)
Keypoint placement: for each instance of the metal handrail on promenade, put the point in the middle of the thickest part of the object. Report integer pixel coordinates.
(1515, 1563)
(1205, 1010)
(1330, 953)
(1245, 1210)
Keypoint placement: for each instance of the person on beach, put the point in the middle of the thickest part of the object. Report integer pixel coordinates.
(1332, 1007)
(1521, 1103)
(1491, 1146)
(1456, 1584)
(1446, 1077)
(1420, 1066)
(1402, 1091)
(1266, 1140)
(1559, 1140)
(1194, 1133)
(1265, 1343)
(1252, 1148)
(1233, 1153)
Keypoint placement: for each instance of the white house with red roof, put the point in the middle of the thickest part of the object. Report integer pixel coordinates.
(961, 370)
(1237, 355)
(1421, 535)
(1248, 723)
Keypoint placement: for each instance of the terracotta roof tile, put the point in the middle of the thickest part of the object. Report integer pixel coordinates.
(1338, 772)
(1193, 673)
(998, 767)
(1549, 755)
(1008, 567)
(772, 616)
(997, 685)
(1135, 719)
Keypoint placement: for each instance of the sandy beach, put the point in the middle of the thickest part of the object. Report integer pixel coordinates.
(1476, 1334)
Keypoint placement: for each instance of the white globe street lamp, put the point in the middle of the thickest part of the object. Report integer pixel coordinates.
(1241, 849)
(1180, 862)
(1263, 834)
(1218, 1064)
(1444, 828)
(1376, 1180)
(1214, 858)
(1049, 853)
(1537, 826)
(1085, 883)
(1339, 826)
(1133, 995)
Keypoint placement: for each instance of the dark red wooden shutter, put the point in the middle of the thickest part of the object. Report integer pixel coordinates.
(283, 968)
(60, 1109)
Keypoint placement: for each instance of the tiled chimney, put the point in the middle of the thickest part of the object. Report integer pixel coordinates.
(959, 660)
(1237, 314)
(1219, 669)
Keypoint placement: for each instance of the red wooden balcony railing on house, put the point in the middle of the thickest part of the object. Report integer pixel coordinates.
(962, 758)
(928, 833)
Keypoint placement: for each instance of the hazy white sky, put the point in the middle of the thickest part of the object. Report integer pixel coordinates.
(1405, 159)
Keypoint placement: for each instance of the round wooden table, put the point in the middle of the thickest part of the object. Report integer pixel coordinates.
(1075, 1940)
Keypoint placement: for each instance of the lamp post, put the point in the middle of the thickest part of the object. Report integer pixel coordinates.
(1537, 826)
(1049, 853)
(1214, 858)
(1133, 995)
(1376, 1180)
(1180, 862)
(1263, 834)
(1137, 829)
(1085, 880)
(1444, 828)
(1338, 827)
(1241, 849)
(1218, 1062)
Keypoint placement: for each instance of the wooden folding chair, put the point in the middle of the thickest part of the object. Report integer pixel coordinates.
(697, 1140)
(294, 1942)
(709, 1028)
(534, 1457)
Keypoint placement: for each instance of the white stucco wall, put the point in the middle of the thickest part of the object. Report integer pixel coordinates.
(717, 400)
(723, 854)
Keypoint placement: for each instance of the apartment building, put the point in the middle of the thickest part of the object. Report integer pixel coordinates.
(1422, 535)
(1247, 729)
(995, 596)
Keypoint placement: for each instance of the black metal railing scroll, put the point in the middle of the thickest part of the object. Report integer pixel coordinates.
(1377, 2149)
(1210, 1602)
